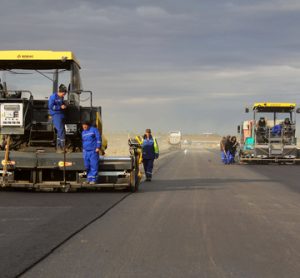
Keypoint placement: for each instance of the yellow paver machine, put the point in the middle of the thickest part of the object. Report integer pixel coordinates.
(271, 135)
(28, 154)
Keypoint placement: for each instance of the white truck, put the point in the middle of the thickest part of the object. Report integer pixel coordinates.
(175, 139)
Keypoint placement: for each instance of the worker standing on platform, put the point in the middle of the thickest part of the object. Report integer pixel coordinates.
(91, 144)
(150, 152)
(57, 108)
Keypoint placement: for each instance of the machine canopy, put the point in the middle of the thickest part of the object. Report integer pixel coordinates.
(37, 60)
(268, 107)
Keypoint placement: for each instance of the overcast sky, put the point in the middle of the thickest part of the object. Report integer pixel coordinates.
(170, 64)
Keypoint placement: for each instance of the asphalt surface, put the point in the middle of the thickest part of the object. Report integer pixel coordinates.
(32, 224)
(197, 218)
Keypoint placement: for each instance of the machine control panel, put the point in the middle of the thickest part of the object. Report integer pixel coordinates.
(70, 129)
(11, 114)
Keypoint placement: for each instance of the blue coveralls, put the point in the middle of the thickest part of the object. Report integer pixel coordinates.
(148, 156)
(91, 140)
(276, 130)
(58, 116)
(226, 156)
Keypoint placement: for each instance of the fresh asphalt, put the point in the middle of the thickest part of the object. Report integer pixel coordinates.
(33, 224)
(197, 218)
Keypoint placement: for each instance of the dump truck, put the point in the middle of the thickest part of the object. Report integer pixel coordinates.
(270, 136)
(174, 139)
(28, 137)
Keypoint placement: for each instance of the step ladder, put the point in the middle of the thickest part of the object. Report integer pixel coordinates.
(42, 134)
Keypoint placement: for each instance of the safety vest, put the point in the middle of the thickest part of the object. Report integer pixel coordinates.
(156, 149)
(140, 140)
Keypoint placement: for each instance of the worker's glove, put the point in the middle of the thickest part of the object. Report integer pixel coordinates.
(156, 156)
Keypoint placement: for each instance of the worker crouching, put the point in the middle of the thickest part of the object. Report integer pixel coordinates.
(228, 148)
(150, 152)
(91, 144)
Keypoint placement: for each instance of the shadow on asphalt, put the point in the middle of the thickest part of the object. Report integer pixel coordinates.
(78, 191)
(193, 184)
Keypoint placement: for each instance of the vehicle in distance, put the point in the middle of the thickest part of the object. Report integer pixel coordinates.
(175, 139)
(270, 136)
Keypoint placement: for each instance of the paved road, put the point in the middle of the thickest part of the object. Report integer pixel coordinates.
(32, 224)
(198, 218)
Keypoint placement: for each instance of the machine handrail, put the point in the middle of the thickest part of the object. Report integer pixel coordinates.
(83, 91)
(18, 91)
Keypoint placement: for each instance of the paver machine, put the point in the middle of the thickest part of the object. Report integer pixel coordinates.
(28, 155)
(271, 135)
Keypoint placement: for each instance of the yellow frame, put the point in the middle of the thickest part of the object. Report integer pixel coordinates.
(37, 55)
(274, 104)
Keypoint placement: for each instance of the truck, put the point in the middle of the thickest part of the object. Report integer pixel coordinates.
(175, 139)
(270, 136)
(28, 155)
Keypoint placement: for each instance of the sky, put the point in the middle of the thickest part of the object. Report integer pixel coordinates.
(190, 65)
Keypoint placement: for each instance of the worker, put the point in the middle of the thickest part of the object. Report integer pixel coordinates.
(233, 145)
(222, 149)
(225, 147)
(261, 130)
(262, 123)
(150, 151)
(288, 132)
(57, 109)
(287, 124)
(91, 144)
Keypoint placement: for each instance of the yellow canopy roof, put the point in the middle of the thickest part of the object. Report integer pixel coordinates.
(274, 106)
(36, 59)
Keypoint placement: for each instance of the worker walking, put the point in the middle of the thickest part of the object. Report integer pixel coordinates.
(57, 107)
(150, 151)
(91, 144)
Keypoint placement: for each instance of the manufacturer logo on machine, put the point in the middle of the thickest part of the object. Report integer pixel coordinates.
(25, 56)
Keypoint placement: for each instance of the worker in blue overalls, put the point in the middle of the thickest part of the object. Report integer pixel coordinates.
(150, 152)
(57, 108)
(91, 144)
